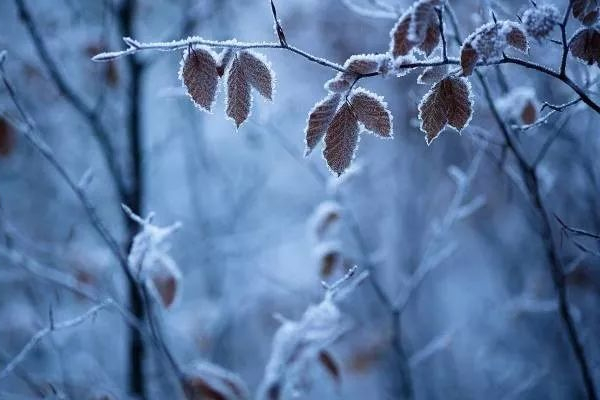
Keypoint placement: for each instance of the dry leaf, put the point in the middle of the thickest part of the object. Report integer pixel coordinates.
(529, 113)
(318, 121)
(258, 73)
(400, 45)
(341, 140)
(585, 45)
(468, 59)
(516, 38)
(224, 59)
(239, 99)
(418, 26)
(329, 261)
(586, 11)
(372, 112)
(540, 21)
(362, 64)
(447, 103)
(330, 365)
(431, 75)
(7, 138)
(432, 38)
(198, 73)
(340, 83)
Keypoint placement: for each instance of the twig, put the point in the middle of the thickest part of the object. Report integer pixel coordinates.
(53, 327)
(278, 28)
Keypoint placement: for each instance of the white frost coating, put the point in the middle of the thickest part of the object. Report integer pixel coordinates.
(399, 65)
(297, 344)
(540, 21)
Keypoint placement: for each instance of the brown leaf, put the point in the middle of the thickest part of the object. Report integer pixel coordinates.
(585, 45)
(329, 260)
(198, 73)
(7, 138)
(516, 38)
(111, 74)
(318, 120)
(166, 287)
(340, 83)
(468, 59)
(431, 75)
(362, 64)
(341, 140)
(196, 388)
(372, 112)
(400, 45)
(529, 113)
(447, 103)
(239, 99)
(432, 38)
(586, 11)
(258, 73)
(330, 365)
(211, 382)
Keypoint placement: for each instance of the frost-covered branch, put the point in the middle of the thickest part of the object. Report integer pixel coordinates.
(52, 327)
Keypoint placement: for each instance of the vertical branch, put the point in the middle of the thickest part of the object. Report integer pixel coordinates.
(137, 351)
(563, 36)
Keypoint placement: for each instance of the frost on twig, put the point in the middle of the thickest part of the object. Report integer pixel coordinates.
(299, 344)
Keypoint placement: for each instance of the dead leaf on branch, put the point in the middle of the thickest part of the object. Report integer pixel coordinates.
(239, 99)
(431, 75)
(489, 42)
(341, 140)
(448, 102)
(319, 119)
(586, 11)
(417, 27)
(372, 112)
(258, 72)
(199, 75)
(585, 45)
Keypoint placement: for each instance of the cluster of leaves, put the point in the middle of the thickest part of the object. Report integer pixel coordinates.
(201, 70)
(347, 110)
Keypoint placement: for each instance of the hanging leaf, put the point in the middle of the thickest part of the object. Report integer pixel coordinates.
(447, 103)
(586, 11)
(199, 75)
(327, 361)
(340, 83)
(258, 72)
(468, 59)
(224, 59)
(516, 38)
(318, 121)
(239, 99)
(431, 75)
(585, 45)
(400, 45)
(432, 38)
(341, 140)
(361, 64)
(372, 112)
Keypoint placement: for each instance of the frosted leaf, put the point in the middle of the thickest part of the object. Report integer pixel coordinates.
(208, 381)
(340, 83)
(372, 112)
(199, 75)
(239, 98)
(585, 45)
(341, 140)
(400, 44)
(324, 217)
(149, 260)
(431, 75)
(586, 11)
(520, 104)
(489, 42)
(318, 121)
(224, 59)
(258, 72)
(540, 21)
(362, 64)
(418, 26)
(448, 102)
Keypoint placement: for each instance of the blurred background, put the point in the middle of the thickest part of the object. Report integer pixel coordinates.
(460, 303)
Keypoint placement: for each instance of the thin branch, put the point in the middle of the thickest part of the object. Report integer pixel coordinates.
(563, 34)
(53, 327)
(555, 108)
(87, 112)
(577, 231)
(278, 28)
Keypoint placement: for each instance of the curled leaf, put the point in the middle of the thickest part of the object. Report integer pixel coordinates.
(447, 103)
(372, 112)
(318, 120)
(341, 140)
(199, 75)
